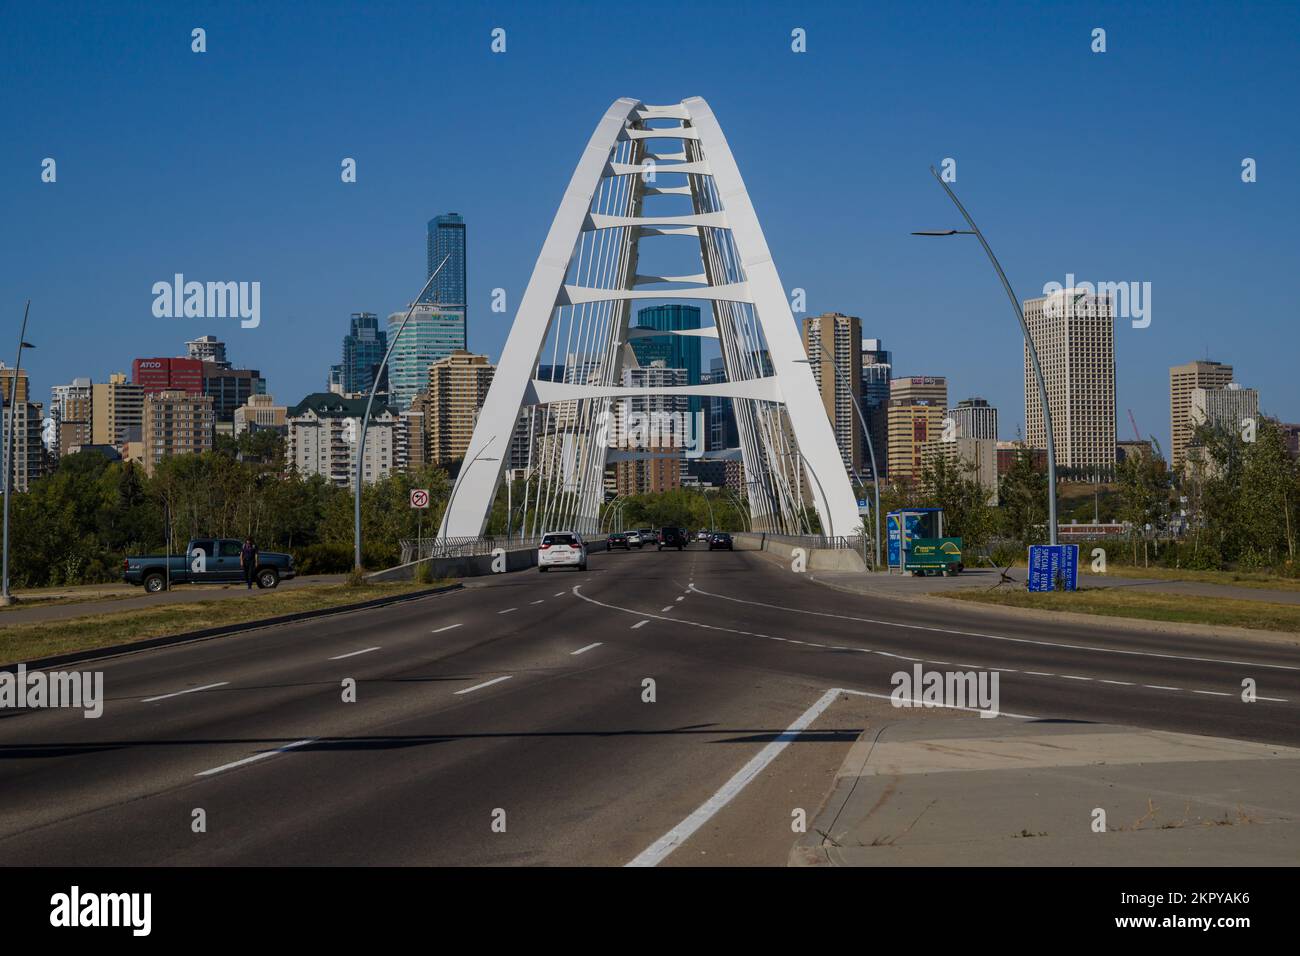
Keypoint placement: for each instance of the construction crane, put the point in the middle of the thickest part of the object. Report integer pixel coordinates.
(1137, 434)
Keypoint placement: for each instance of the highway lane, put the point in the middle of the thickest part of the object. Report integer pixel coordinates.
(494, 697)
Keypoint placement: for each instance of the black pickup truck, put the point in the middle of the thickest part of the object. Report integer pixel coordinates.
(205, 561)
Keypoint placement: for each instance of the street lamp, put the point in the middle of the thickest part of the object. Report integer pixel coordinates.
(5, 597)
(974, 230)
(875, 474)
(365, 421)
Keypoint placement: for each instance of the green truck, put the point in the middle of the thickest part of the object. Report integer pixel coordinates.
(937, 555)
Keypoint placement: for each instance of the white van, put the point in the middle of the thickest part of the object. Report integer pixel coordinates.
(562, 549)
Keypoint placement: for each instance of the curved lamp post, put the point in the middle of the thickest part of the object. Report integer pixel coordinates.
(365, 421)
(5, 598)
(1029, 341)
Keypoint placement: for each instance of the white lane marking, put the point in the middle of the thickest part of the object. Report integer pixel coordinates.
(658, 851)
(192, 690)
(486, 683)
(1121, 683)
(583, 650)
(1073, 677)
(1212, 693)
(681, 599)
(439, 630)
(559, 594)
(262, 756)
(866, 650)
(640, 624)
(508, 610)
(665, 610)
(999, 637)
(355, 653)
(536, 602)
(1279, 700)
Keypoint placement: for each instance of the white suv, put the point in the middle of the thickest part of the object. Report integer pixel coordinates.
(561, 549)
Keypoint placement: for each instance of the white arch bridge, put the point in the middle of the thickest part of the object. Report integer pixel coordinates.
(649, 176)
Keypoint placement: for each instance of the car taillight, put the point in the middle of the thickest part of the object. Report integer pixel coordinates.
(545, 545)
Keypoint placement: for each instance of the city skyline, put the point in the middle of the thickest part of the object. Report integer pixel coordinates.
(935, 303)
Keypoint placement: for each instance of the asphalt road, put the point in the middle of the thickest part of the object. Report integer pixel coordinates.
(517, 704)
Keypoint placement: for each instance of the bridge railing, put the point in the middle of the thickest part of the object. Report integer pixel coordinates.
(820, 541)
(417, 549)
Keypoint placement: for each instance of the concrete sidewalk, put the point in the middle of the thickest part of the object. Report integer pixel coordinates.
(965, 790)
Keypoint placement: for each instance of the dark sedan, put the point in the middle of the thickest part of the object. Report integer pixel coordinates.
(720, 541)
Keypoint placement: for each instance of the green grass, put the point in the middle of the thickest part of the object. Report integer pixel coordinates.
(46, 638)
(1243, 579)
(1147, 605)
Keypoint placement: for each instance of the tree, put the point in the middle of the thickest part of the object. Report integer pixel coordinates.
(1023, 494)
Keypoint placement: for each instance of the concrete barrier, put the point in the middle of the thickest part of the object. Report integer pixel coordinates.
(519, 559)
(819, 559)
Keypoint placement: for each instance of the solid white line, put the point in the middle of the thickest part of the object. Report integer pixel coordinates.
(439, 630)
(354, 653)
(583, 650)
(486, 683)
(999, 637)
(262, 756)
(657, 851)
(508, 610)
(192, 690)
(640, 624)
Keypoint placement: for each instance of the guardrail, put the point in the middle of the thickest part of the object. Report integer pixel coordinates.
(820, 541)
(417, 549)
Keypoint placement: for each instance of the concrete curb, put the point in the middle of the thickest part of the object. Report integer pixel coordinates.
(1075, 617)
(169, 640)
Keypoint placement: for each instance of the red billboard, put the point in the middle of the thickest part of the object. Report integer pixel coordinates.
(160, 374)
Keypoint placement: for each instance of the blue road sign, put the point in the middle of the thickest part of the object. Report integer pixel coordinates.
(1050, 565)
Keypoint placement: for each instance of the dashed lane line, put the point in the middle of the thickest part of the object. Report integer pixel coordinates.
(486, 683)
(190, 690)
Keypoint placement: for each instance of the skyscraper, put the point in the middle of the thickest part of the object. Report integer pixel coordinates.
(1074, 332)
(207, 348)
(915, 414)
(877, 370)
(974, 418)
(834, 345)
(432, 333)
(446, 237)
(1182, 379)
(458, 386)
(363, 351)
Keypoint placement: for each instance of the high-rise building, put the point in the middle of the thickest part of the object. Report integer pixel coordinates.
(721, 412)
(674, 351)
(117, 411)
(412, 436)
(920, 389)
(28, 449)
(71, 414)
(1182, 379)
(324, 431)
(651, 422)
(363, 353)
(877, 370)
(230, 388)
(168, 374)
(833, 343)
(1227, 408)
(458, 386)
(446, 237)
(433, 332)
(977, 457)
(260, 413)
(912, 423)
(207, 348)
(7, 383)
(974, 418)
(1074, 333)
(176, 422)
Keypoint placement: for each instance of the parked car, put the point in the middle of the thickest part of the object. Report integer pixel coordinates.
(671, 538)
(562, 549)
(720, 541)
(617, 539)
(205, 561)
(635, 539)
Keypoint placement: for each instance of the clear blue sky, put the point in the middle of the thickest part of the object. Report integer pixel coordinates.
(225, 166)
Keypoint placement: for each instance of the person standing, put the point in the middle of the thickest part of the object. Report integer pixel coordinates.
(248, 561)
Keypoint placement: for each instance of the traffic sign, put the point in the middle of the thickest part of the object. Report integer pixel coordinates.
(419, 497)
(1053, 565)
